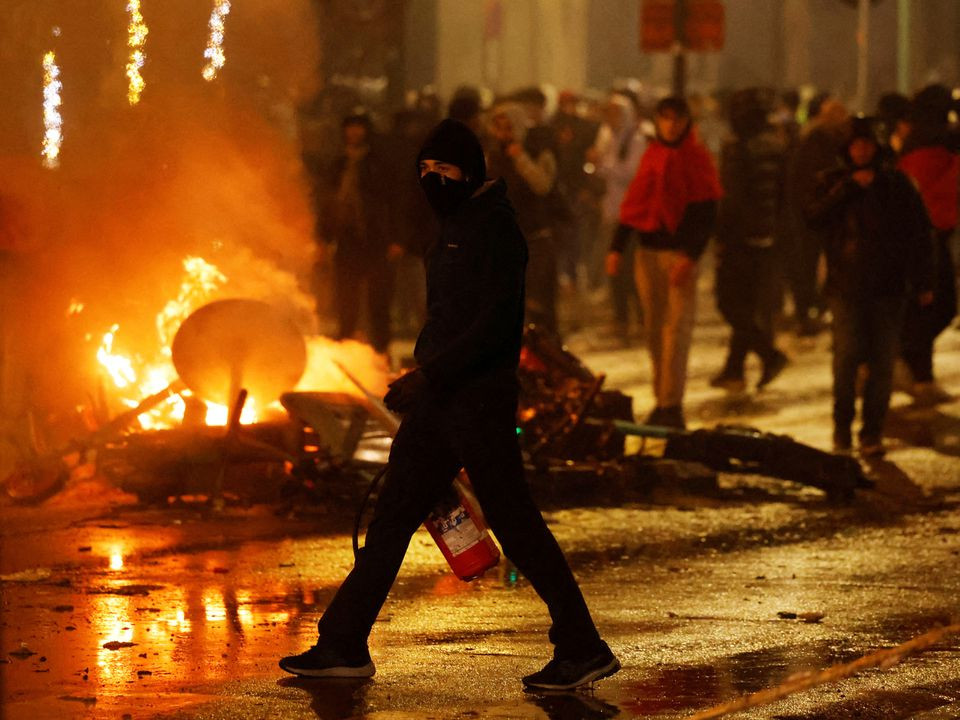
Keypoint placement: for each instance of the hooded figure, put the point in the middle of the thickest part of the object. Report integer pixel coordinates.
(619, 146)
(459, 411)
(617, 152)
(878, 246)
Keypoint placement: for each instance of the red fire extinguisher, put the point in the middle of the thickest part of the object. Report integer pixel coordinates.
(461, 533)
(455, 523)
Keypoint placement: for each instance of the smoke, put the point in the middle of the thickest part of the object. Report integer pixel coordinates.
(194, 169)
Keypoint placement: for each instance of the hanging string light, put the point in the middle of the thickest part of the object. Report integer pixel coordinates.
(52, 120)
(214, 52)
(136, 39)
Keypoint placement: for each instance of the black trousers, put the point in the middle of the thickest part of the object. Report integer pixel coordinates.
(924, 323)
(375, 280)
(476, 430)
(541, 289)
(746, 297)
(623, 289)
(864, 331)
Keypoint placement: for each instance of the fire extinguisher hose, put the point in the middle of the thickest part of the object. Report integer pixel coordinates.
(363, 506)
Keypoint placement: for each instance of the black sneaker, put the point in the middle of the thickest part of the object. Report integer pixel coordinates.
(323, 662)
(842, 441)
(772, 368)
(871, 446)
(671, 417)
(731, 382)
(568, 674)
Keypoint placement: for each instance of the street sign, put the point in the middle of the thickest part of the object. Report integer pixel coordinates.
(702, 25)
(657, 22)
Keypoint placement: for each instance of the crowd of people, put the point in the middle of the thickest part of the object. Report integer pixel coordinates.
(619, 198)
(517, 205)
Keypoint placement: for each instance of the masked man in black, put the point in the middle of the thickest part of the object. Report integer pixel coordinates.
(459, 411)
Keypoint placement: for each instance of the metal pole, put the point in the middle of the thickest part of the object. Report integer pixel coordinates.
(863, 53)
(904, 84)
(680, 48)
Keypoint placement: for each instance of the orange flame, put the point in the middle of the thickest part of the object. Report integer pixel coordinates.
(137, 378)
(133, 378)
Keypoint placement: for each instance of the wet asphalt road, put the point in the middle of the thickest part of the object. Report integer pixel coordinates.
(146, 613)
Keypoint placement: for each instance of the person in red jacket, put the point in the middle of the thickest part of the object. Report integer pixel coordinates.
(931, 157)
(671, 205)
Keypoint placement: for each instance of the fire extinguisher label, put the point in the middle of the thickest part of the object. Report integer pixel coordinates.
(458, 530)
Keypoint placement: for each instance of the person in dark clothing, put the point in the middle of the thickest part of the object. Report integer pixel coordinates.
(466, 106)
(526, 159)
(411, 214)
(879, 255)
(671, 205)
(931, 157)
(893, 112)
(752, 173)
(785, 117)
(356, 218)
(786, 123)
(459, 411)
(816, 153)
(574, 135)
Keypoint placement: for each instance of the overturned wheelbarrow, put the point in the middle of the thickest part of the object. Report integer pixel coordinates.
(231, 345)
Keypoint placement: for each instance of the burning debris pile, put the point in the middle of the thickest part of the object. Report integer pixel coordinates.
(169, 178)
(172, 443)
(557, 395)
(573, 431)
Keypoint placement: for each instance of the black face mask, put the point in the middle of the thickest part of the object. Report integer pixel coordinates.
(444, 194)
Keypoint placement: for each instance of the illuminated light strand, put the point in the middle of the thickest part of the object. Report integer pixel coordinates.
(136, 39)
(52, 120)
(214, 52)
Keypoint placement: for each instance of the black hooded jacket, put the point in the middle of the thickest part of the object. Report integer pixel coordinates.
(877, 239)
(475, 294)
(753, 176)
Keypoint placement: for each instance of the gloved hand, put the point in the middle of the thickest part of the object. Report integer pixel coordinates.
(406, 391)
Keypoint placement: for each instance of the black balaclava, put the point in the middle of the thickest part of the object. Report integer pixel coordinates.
(454, 143)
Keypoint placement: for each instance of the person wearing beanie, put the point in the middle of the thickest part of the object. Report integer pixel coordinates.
(458, 411)
(877, 242)
(671, 206)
